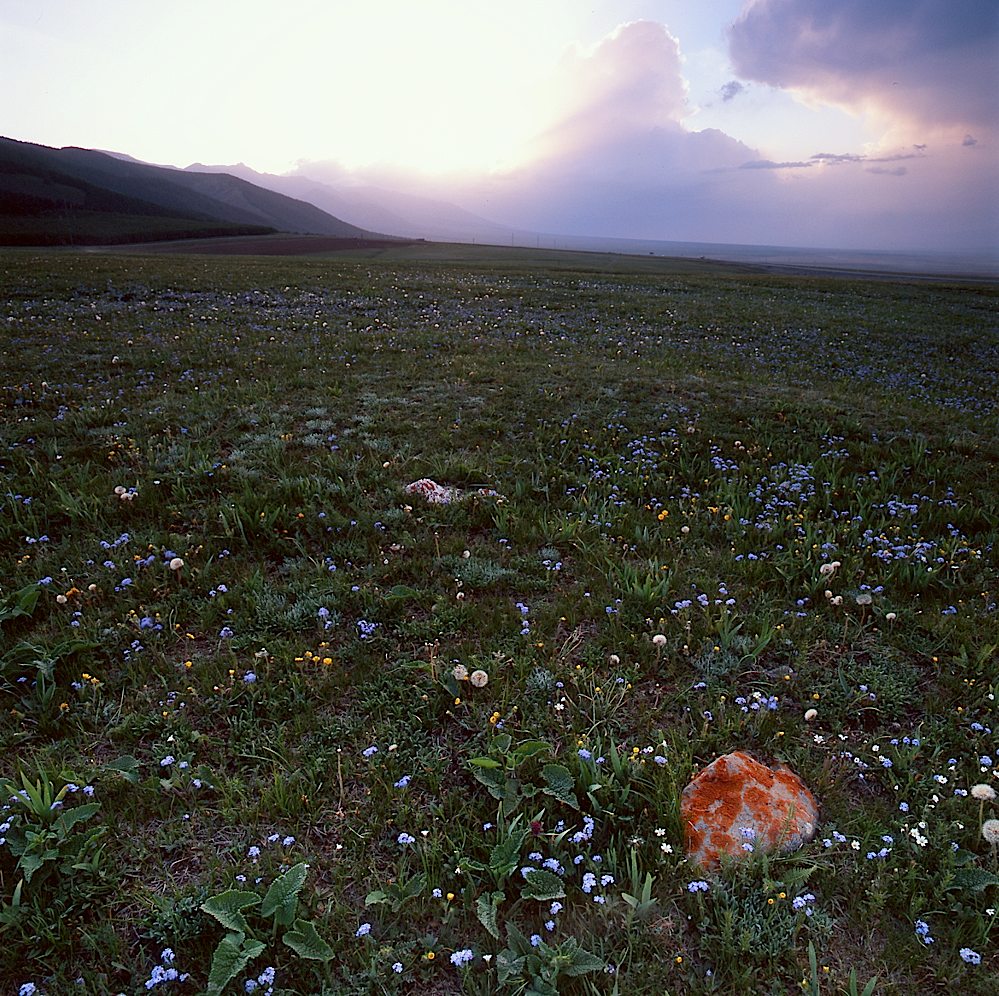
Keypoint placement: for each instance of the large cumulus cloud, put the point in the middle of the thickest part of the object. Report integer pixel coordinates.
(616, 159)
(927, 63)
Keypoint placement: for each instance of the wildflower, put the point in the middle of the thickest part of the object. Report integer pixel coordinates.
(922, 929)
(659, 641)
(811, 714)
(369, 751)
(397, 967)
(249, 678)
(984, 792)
(288, 841)
(460, 672)
(176, 564)
(27, 989)
(253, 853)
(403, 782)
(167, 761)
(990, 831)
(462, 957)
(363, 930)
(971, 957)
(405, 838)
(479, 679)
(698, 886)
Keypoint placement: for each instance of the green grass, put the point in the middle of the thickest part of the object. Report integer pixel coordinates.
(675, 451)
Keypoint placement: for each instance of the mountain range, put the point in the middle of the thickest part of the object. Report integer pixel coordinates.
(82, 196)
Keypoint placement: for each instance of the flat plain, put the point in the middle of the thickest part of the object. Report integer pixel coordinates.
(272, 723)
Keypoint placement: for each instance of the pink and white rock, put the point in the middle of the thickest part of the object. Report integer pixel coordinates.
(438, 494)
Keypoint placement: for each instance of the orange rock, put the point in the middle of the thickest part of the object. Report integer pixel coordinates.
(737, 801)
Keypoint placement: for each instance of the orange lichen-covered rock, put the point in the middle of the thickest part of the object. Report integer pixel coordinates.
(737, 805)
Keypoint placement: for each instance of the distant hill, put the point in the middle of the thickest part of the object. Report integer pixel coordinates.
(377, 207)
(79, 196)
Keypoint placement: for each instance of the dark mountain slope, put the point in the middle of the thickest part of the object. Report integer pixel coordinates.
(75, 195)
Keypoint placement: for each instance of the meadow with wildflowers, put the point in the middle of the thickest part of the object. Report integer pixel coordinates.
(270, 723)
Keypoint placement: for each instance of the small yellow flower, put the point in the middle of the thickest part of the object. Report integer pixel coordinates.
(430, 956)
(64, 707)
(450, 896)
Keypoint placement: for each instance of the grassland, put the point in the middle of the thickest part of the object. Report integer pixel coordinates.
(240, 736)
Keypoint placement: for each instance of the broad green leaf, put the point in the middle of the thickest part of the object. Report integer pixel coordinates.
(505, 856)
(543, 885)
(30, 863)
(486, 908)
(974, 879)
(583, 962)
(509, 967)
(20, 603)
(226, 906)
(68, 818)
(530, 748)
(502, 742)
(282, 896)
(306, 943)
(559, 784)
(375, 897)
(232, 955)
(541, 987)
(400, 592)
(485, 762)
(127, 766)
(495, 781)
(413, 887)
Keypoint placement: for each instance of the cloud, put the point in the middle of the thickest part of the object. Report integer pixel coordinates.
(928, 62)
(968, 141)
(617, 159)
(631, 80)
(770, 164)
(731, 90)
(832, 159)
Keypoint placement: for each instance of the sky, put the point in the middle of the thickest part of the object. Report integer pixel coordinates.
(840, 123)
